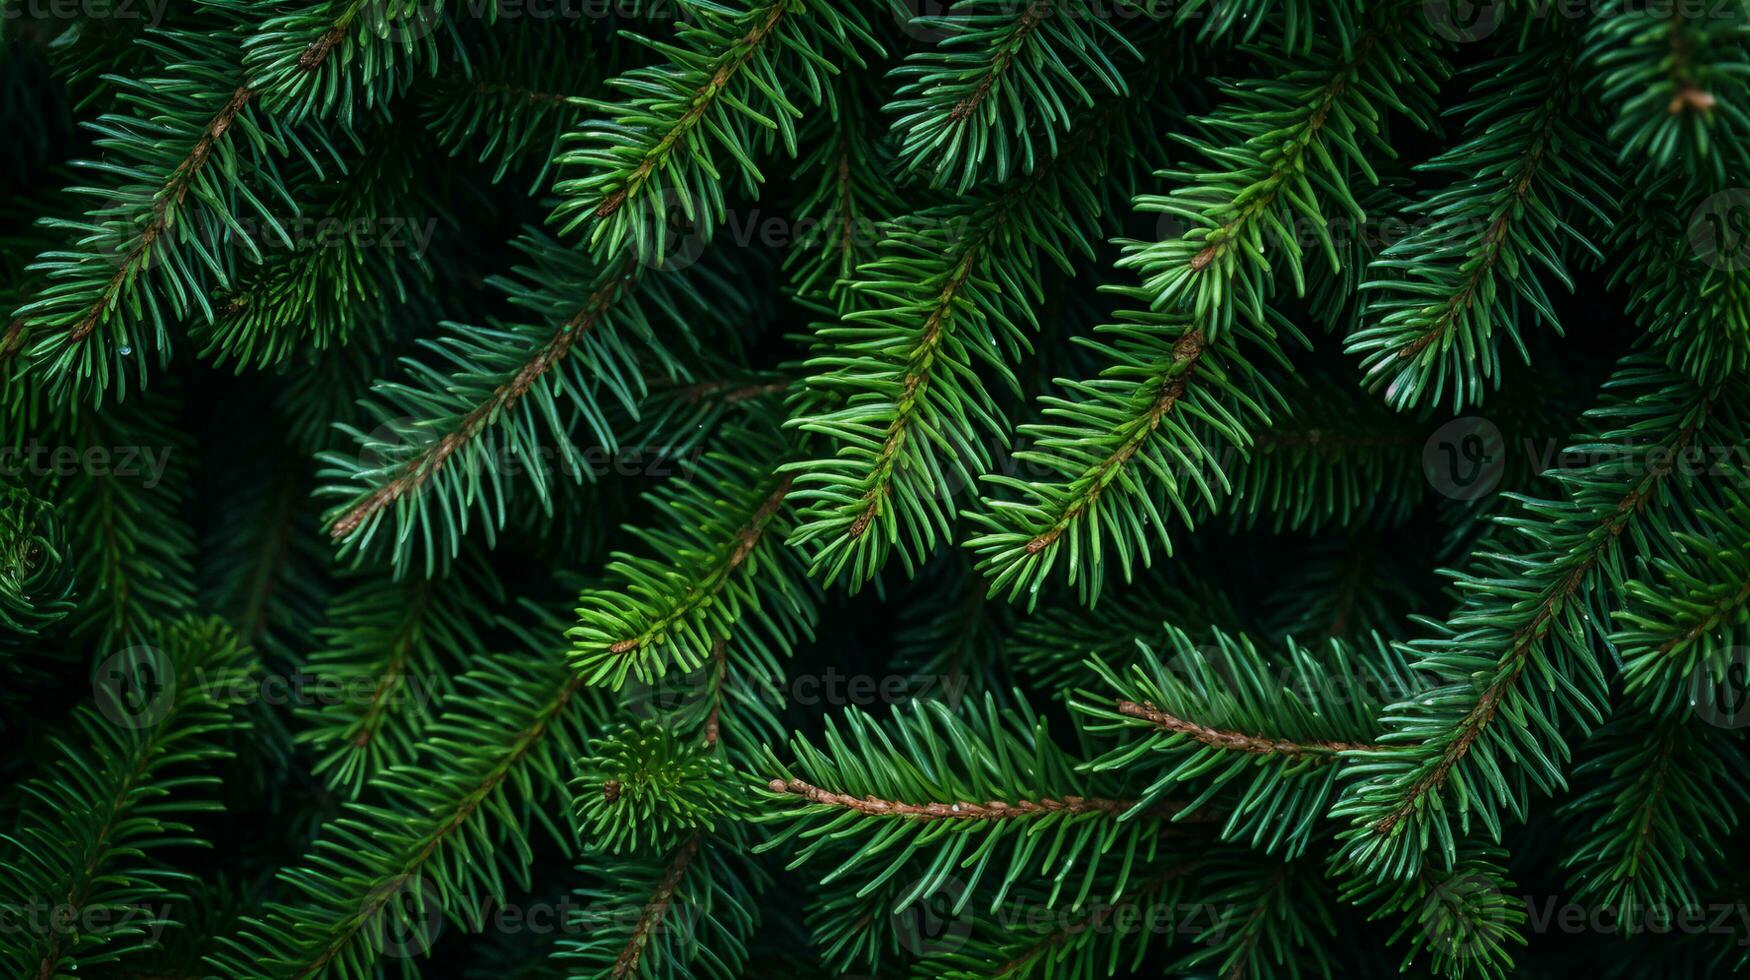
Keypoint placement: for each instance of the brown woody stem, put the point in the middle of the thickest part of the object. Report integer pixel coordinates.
(1238, 741)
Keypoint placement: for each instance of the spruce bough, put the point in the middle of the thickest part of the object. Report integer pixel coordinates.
(1030, 488)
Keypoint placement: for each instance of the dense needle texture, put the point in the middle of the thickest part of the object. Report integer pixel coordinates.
(696, 489)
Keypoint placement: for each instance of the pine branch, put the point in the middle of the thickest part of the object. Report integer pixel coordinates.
(1679, 85)
(1126, 451)
(1284, 143)
(511, 110)
(1238, 760)
(1682, 625)
(318, 59)
(994, 96)
(968, 794)
(641, 789)
(1267, 740)
(1299, 22)
(676, 810)
(849, 200)
(1330, 463)
(1463, 920)
(724, 91)
(1052, 645)
(36, 568)
(365, 254)
(1645, 826)
(404, 641)
(1099, 940)
(949, 638)
(1268, 921)
(691, 913)
(443, 837)
(1347, 588)
(1523, 177)
(949, 293)
(1680, 257)
(478, 410)
(1520, 646)
(83, 864)
(132, 568)
(146, 250)
(92, 48)
(716, 568)
(1180, 385)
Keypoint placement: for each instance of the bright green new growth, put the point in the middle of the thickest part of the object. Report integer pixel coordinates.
(642, 788)
(844, 488)
(36, 574)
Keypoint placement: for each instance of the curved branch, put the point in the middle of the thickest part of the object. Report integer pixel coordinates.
(992, 810)
(470, 802)
(1542, 618)
(416, 471)
(626, 964)
(1319, 751)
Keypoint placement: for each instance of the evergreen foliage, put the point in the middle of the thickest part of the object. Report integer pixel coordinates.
(993, 488)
